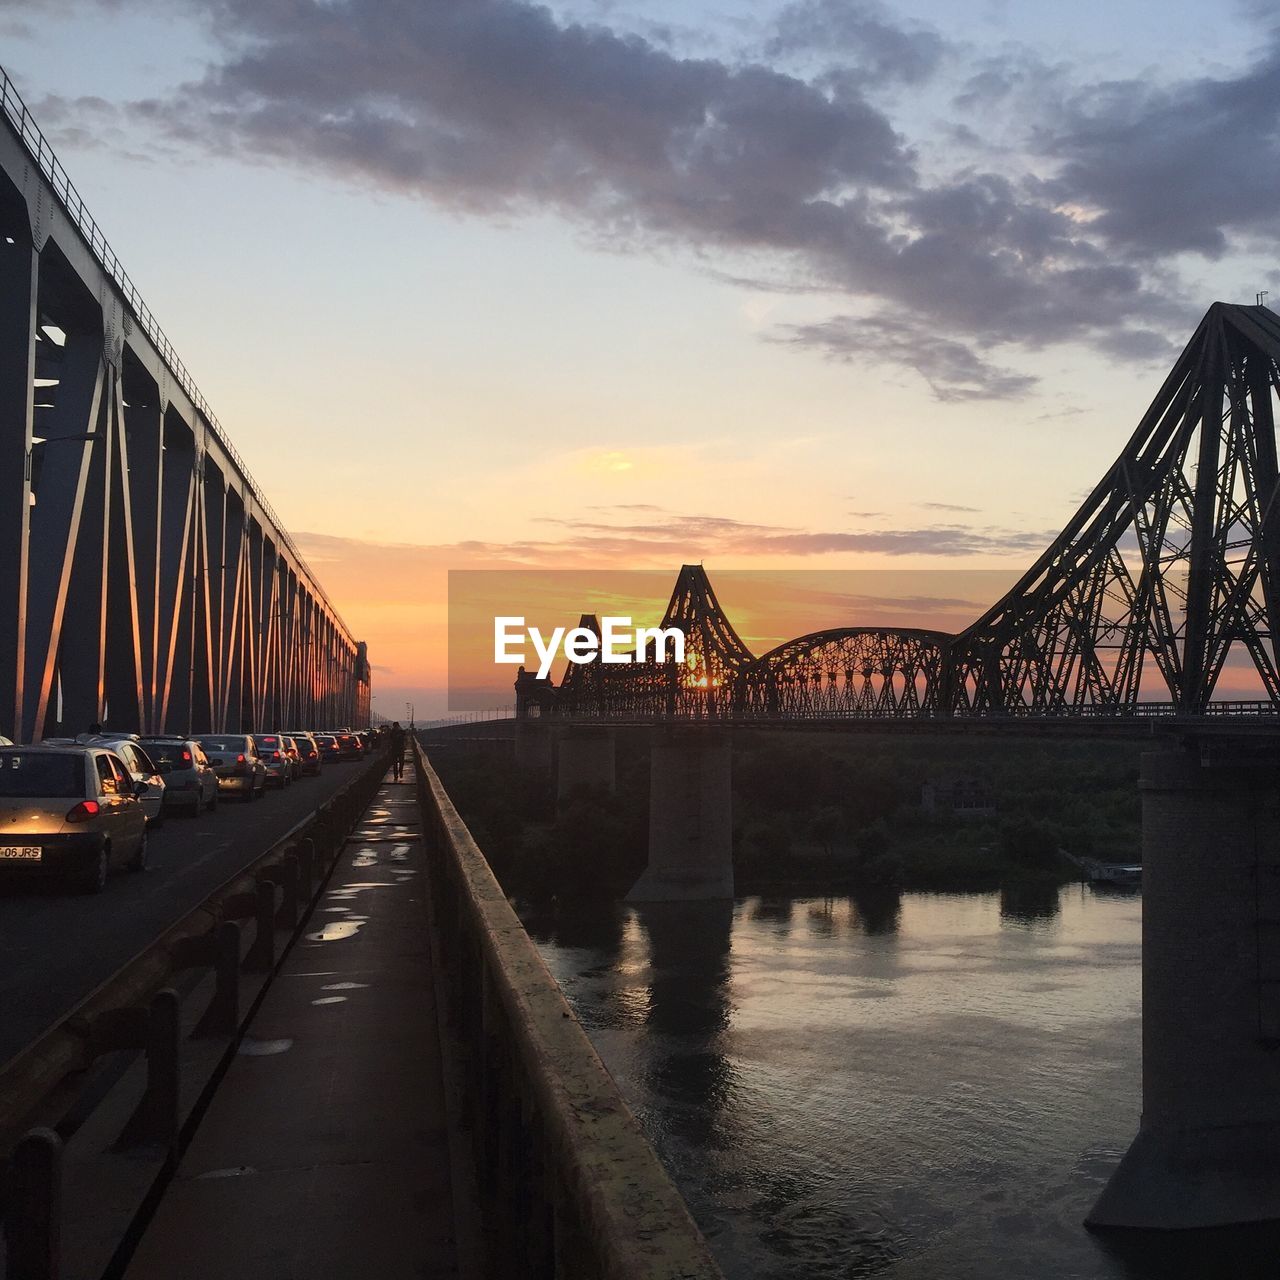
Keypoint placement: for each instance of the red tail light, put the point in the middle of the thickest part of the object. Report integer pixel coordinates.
(186, 757)
(239, 759)
(85, 810)
(275, 755)
(311, 755)
(241, 768)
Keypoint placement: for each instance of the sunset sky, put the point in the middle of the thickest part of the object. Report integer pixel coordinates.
(774, 284)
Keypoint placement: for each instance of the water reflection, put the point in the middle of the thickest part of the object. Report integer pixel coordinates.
(593, 925)
(879, 910)
(959, 1123)
(688, 965)
(1031, 902)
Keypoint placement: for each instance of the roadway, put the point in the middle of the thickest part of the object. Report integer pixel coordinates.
(57, 947)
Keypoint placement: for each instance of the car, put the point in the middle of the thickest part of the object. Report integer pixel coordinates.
(236, 762)
(69, 812)
(295, 756)
(190, 783)
(272, 750)
(142, 769)
(309, 759)
(349, 746)
(329, 750)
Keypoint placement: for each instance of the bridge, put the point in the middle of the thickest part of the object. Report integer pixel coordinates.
(146, 580)
(1170, 567)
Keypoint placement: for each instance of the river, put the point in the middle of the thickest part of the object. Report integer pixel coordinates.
(919, 1086)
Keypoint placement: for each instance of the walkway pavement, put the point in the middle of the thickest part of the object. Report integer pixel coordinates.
(324, 1151)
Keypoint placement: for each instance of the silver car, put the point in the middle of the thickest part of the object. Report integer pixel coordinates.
(190, 783)
(70, 813)
(142, 769)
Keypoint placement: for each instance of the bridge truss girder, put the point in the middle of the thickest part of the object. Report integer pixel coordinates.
(142, 581)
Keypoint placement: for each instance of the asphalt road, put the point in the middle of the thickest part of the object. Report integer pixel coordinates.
(57, 947)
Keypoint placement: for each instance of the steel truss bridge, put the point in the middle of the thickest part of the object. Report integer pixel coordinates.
(1170, 566)
(144, 577)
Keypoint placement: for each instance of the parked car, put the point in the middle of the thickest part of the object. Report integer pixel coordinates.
(235, 760)
(190, 783)
(330, 753)
(150, 787)
(70, 813)
(272, 750)
(349, 746)
(309, 759)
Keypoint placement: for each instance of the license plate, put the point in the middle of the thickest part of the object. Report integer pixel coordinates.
(20, 852)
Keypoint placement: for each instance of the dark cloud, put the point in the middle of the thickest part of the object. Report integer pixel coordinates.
(1174, 169)
(783, 170)
(691, 536)
(953, 370)
(862, 36)
(947, 506)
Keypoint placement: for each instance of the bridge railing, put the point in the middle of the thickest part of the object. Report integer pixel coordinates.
(566, 1181)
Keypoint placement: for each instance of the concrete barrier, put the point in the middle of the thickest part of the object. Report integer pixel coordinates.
(565, 1179)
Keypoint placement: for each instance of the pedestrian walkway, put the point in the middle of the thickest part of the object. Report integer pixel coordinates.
(324, 1152)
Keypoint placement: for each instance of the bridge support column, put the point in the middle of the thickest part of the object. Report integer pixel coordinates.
(584, 758)
(533, 746)
(1208, 1146)
(690, 818)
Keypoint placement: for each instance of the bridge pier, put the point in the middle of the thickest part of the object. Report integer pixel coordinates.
(1207, 1151)
(533, 746)
(584, 758)
(690, 818)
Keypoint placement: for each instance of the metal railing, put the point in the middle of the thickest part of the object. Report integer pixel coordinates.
(41, 151)
(565, 1179)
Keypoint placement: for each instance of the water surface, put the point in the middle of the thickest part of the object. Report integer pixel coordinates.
(922, 1087)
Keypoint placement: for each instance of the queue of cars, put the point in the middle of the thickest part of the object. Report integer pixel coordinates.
(74, 808)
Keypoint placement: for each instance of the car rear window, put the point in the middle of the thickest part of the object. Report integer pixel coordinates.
(223, 744)
(41, 774)
(169, 752)
(266, 740)
(326, 740)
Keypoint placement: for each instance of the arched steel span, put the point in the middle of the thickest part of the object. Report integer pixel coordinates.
(144, 577)
(1169, 568)
(878, 672)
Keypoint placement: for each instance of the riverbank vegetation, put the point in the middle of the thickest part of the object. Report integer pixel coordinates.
(826, 812)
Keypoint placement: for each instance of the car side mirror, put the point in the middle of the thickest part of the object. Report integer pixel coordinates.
(139, 789)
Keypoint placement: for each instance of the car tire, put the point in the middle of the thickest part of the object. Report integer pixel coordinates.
(92, 878)
(139, 860)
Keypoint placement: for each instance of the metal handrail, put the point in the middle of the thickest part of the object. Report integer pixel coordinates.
(41, 151)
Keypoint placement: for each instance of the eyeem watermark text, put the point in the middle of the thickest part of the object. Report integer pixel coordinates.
(618, 642)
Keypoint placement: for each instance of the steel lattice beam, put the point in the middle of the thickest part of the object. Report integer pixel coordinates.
(144, 579)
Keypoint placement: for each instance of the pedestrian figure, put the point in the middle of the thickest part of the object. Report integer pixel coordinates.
(397, 751)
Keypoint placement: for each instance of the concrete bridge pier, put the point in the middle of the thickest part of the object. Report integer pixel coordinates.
(1207, 1152)
(690, 818)
(534, 752)
(584, 758)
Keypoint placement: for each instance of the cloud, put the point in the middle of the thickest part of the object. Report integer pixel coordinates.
(953, 370)
(679, 538)
(1060, 219)
(865, 38)
(947, 506)
(1174, 169)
